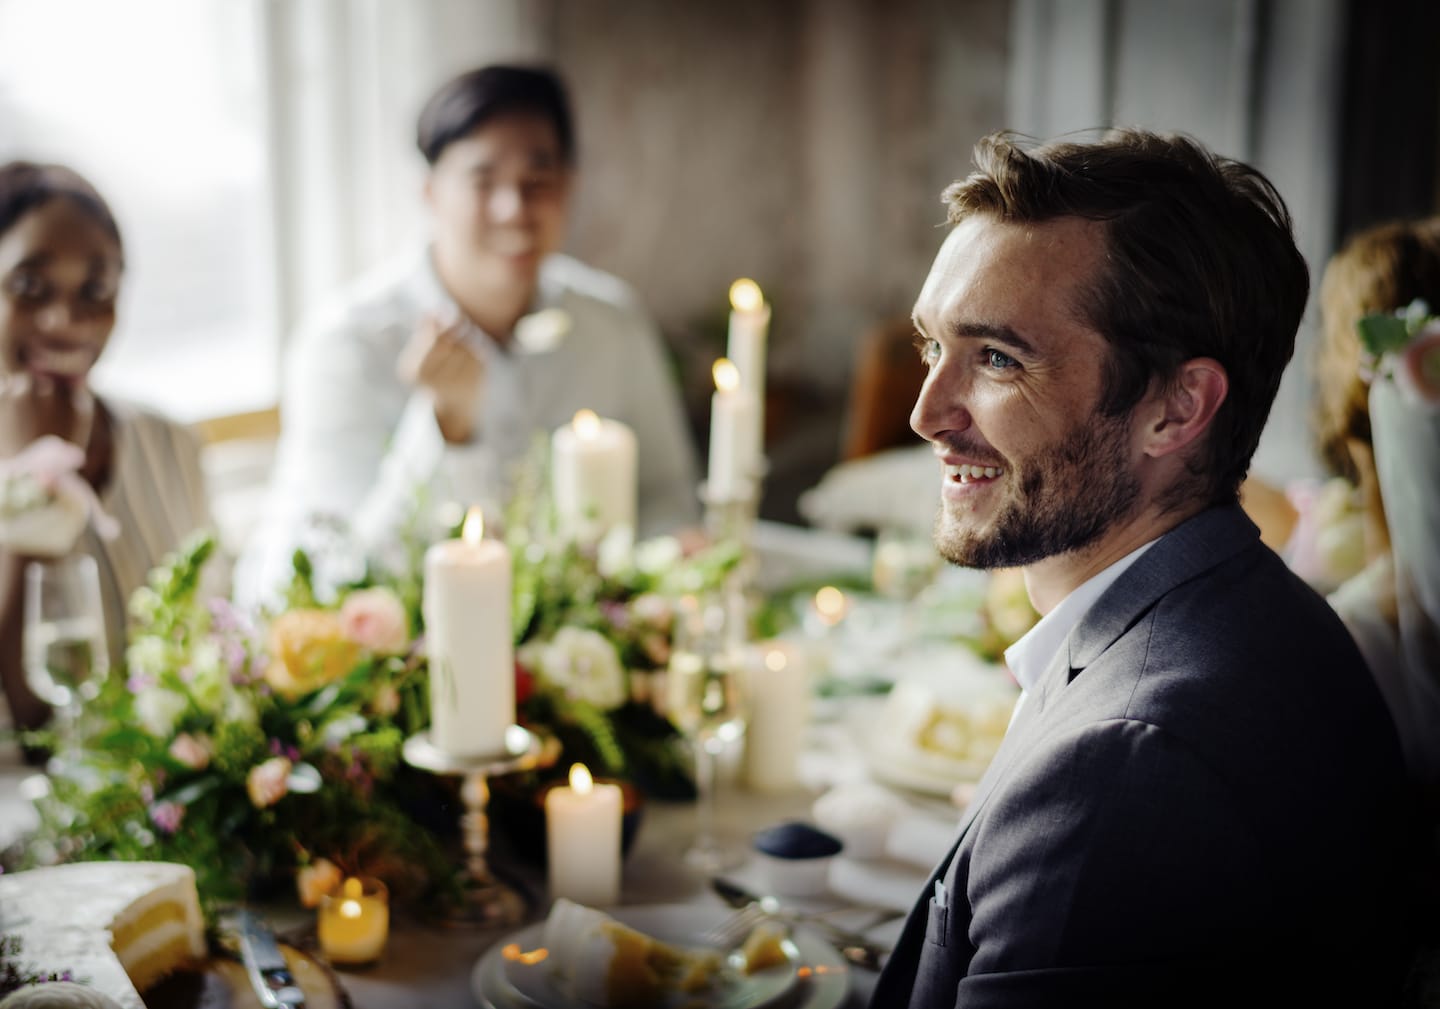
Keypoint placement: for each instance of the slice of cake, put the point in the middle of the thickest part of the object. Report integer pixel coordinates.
(596, 958)
(122, 926)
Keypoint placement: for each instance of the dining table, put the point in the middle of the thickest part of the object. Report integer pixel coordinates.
(431, 964)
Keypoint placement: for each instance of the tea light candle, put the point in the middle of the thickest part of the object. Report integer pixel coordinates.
(746, 343)
(733, 416)
(355, 922)
(468, 637)
(582, 830)
(592, 477)
(778, 685)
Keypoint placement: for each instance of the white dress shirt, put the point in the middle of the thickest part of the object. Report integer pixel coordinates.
(1029, 657)
(359, 445)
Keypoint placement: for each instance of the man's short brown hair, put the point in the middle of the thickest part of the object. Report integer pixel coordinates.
(1200, 262)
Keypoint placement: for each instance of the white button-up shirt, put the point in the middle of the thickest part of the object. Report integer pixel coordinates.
(360, 445)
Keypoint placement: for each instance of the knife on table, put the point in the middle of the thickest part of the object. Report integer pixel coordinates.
(265, 965)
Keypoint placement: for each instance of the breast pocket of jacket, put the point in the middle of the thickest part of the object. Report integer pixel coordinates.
(937, 929)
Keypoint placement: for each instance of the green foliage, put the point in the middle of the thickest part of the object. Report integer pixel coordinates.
(170, 752)
(1390, 332)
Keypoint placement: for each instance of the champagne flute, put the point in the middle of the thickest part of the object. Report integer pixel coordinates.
(66, 659)
(704, 701)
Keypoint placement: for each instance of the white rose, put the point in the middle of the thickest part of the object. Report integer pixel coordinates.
(656, 556)
(158, 710)
(582, 663)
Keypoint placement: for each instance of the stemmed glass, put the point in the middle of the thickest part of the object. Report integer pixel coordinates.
(65, 655)
(904, 565)
(705, 702)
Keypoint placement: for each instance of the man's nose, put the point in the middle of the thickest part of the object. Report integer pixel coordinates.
(507, 204)
(939, 407)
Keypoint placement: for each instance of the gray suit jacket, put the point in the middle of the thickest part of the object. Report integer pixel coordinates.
(1203, 790)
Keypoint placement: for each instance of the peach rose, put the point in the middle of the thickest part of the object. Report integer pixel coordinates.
(375, 619)
(268, 783)
(308, 649)
(316, 880)
(192, 751)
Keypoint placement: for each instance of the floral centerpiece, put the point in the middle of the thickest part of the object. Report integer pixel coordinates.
(268, 747)
(248, 751)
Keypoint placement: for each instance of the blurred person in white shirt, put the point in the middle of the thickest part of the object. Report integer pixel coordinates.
(427, 381)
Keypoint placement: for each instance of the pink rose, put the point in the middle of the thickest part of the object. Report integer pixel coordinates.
(167, 816)
(316, 880)
(375, 620)
(192, 751)
(267, 783)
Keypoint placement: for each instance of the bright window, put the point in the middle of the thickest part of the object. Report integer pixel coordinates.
(160, 103)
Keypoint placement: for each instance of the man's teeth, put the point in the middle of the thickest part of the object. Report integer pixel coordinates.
(965, 472)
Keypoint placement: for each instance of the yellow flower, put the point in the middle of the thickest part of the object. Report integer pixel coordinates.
(308, 649)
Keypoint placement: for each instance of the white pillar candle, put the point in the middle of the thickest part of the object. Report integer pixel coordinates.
(592, 477)
(468, 637)
(732, 420)
(778, 686)
(582, 832)
(746, 346)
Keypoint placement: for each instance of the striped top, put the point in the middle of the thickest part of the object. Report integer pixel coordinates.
(157, 494)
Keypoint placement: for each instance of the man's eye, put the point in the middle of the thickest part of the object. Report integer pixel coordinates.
(999, 360)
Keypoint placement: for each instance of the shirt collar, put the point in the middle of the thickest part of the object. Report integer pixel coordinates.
(1029, 657)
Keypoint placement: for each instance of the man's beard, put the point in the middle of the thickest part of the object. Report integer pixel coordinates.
(1069, 496)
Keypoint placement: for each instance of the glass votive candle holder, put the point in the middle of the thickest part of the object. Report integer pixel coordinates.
(355, 922)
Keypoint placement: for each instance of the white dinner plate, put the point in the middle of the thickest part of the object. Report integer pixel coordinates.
(818, 979)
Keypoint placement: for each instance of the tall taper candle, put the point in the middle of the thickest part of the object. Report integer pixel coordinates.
(746, 346)
(732, 420)
(468, 639)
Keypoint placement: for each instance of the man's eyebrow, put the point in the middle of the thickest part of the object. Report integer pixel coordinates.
(995, 333)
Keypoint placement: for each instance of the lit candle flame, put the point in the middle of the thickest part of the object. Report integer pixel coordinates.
(473, 531)
(586, 423)
(580, 779)
(727, 376)
(351, 891)
(745, 295)
(775, 660)
(831, 604)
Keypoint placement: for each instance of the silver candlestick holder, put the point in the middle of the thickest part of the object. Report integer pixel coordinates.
(488, 900)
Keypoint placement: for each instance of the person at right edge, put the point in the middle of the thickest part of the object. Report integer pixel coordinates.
(1201, 798)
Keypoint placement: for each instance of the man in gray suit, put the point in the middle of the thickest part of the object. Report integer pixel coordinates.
(1199, 800)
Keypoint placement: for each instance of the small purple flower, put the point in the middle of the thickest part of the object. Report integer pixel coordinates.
(616, 613)
(234, 653)
(167, 816)
(147, 793)
(138, 682)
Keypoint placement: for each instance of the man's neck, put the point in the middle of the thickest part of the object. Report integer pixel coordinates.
(1049, 581)
(494, 307)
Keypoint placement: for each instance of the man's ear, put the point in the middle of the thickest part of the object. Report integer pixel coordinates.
(1178, 414)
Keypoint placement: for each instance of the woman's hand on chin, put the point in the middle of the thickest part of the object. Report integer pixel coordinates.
(34, 404)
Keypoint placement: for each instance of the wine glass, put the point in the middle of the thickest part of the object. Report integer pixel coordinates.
(704, 700)
(66, 659)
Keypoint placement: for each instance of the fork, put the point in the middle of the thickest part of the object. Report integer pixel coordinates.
(730, 931)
